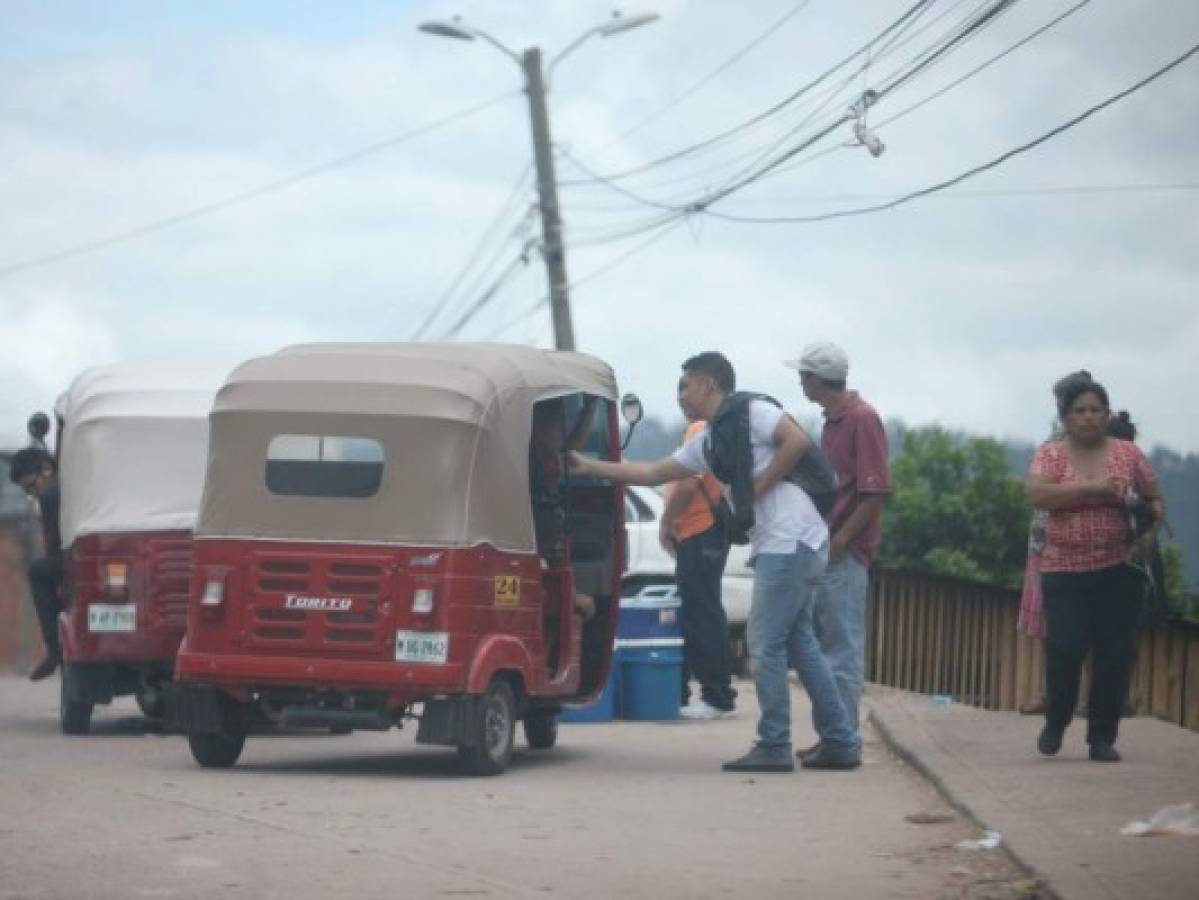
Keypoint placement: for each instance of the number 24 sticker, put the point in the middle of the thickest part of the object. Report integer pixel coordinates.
(507, 590)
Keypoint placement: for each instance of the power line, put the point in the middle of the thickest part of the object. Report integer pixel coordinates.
(715, 73)
(977, 170)
(782, 104)
(269, 187)
(475, 253)
(532, 310)
(948, 87)
(987, 64)
(895, 80)
(493, 289)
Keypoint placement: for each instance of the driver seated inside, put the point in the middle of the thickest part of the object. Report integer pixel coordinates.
(549, 443)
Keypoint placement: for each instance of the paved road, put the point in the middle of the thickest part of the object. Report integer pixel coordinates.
(617, 809)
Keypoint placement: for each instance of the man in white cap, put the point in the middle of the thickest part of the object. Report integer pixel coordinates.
(855, 442)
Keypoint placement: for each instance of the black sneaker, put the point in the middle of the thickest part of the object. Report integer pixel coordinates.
(763, 759)
(1050, 740)
(1104, 752)
(833, 758)
(805, 752)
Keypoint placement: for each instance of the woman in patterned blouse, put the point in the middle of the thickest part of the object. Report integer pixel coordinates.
(1091, 595)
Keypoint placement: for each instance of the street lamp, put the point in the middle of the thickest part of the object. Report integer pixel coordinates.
(553, 249)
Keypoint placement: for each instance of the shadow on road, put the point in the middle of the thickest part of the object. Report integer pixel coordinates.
(405, 761)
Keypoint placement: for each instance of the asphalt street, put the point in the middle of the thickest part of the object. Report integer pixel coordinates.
(626, 809)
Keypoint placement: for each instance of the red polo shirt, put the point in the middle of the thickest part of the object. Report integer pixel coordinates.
(855, 442)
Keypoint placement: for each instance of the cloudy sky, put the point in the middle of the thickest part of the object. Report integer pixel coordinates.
(151, 208)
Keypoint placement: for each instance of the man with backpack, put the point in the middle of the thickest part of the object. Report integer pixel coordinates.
(855, 442)
(760, 456)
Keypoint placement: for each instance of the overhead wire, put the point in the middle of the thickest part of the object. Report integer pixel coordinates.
(598, 272)
(976, 170)
(820, 154)
(476, 252)
(728, 63)
(780, 105)
(243, 197)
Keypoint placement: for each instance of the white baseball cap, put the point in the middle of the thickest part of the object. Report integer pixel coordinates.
(824, 360)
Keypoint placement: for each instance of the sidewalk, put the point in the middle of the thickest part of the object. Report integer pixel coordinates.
(1059, 816)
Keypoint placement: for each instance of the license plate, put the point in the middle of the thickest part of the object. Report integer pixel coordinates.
(422, 646)
(109, 617)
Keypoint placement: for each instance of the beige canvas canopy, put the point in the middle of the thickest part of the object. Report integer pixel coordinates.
(134, 446)
(453, 422)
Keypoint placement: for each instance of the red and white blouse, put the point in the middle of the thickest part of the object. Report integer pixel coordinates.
(1095, 534)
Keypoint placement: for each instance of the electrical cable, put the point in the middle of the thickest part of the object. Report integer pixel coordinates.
(977, 170)
(942, 91)
(493, 289)
(475, 253)
(593, 274)
(782, 104)
(715, 73)
(239, 199)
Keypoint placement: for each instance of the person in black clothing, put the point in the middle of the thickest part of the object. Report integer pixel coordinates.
(33, 470)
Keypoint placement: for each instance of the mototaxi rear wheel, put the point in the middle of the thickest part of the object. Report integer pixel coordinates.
(495, 730)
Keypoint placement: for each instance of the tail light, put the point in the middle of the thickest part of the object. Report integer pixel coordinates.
(114, 578)
(213, 594)
(422, 600)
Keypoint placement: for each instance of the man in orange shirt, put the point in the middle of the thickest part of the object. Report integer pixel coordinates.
(689, 532)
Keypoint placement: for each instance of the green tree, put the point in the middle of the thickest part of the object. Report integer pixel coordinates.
(956, 509)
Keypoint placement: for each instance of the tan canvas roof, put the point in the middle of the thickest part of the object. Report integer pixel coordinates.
(453, 419)
(134, 446)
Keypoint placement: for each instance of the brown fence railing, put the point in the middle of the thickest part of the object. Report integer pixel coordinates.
(940, 635)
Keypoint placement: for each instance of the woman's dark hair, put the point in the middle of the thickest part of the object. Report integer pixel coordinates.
(1066, 382)
(714, 365)
(1120, 426)
(1073, 386)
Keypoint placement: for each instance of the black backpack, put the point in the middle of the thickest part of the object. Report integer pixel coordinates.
(728, 454)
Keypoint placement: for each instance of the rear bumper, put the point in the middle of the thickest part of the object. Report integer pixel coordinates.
(404, 680)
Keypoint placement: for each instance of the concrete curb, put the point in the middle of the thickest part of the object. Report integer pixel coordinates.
(906, 751)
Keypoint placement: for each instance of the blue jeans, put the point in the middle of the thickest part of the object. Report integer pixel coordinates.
(781, 634)
(841, 627)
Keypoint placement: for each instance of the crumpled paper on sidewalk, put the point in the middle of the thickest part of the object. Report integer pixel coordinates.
(989, 841)
(1181, 818)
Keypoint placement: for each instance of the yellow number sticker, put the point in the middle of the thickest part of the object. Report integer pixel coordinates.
(507, 590)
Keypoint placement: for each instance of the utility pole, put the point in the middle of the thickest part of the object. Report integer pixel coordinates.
(552, 247)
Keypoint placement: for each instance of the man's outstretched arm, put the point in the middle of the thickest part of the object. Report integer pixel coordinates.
(648, 473)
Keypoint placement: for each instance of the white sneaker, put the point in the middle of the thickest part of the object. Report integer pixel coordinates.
(702, 711)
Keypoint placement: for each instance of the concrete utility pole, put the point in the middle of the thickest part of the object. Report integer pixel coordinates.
(552, 247)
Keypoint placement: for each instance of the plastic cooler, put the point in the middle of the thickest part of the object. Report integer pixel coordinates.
(649, 650)
(604, 709)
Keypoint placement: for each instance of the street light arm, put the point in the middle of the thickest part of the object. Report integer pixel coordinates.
(618, 25)
(570, 48)
(461, 31)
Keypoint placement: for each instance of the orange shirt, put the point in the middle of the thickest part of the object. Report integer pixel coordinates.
(697, 517)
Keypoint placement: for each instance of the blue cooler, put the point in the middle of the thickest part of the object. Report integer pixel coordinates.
(649, 650)
(603, 709)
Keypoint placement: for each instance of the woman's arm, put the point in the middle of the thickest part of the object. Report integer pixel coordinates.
(1045, 494)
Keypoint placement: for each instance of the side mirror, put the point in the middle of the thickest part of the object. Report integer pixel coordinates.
(631, 410)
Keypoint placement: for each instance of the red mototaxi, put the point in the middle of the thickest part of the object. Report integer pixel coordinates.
(133, 444)
(365, 551)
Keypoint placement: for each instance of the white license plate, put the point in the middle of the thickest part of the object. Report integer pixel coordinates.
(422, 646)
(110, 617)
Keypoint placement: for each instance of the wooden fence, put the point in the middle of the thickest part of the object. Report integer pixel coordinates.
(940, 635)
